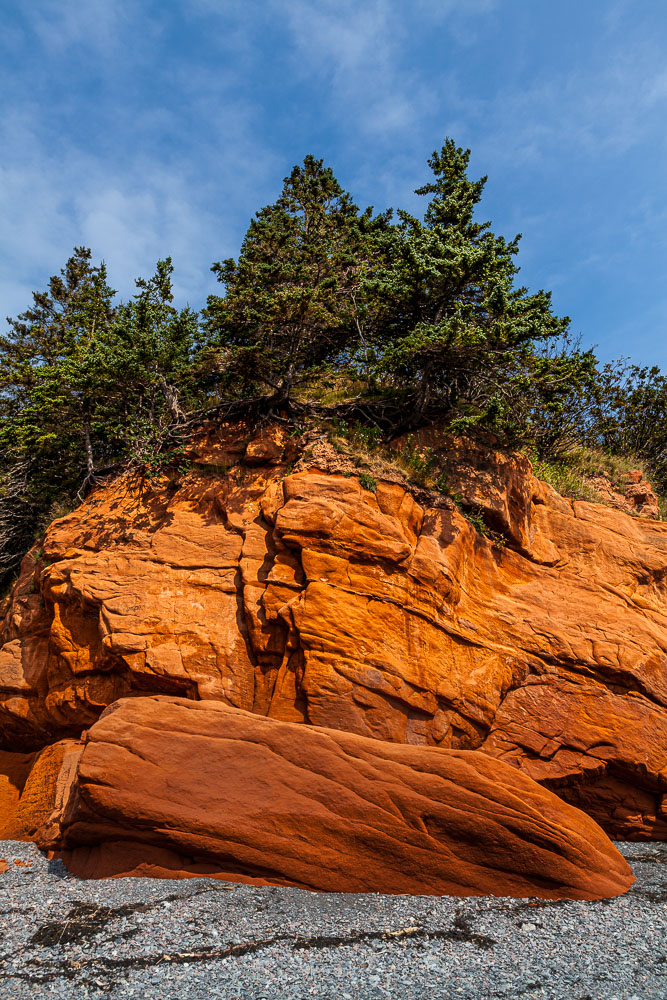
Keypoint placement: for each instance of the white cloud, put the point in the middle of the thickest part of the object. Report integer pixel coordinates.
(136, 177)
(178, 167)
(154, 196)
(359, 51)
(96, 26)
(596, 112)
(193, 206)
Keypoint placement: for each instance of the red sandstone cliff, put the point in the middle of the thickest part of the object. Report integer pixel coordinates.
(269, 579)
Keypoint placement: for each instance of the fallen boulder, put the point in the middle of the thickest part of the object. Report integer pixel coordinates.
(193, 787)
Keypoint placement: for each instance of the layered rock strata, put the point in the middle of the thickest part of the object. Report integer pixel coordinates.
(317, 808)
(271, 580)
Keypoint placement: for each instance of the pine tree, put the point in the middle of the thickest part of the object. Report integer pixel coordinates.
(85, 387)
(49, 390)
(297, 299)
(151, 350)
(457, 315)
(50, 366)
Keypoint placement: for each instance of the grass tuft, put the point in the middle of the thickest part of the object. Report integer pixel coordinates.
(567, 481)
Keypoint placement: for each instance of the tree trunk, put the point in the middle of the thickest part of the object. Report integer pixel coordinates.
(282, 395)
(423, 395)
(90, 464)
(171, 399)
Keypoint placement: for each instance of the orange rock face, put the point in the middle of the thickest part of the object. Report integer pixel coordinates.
(282, 587)
(585, 742)
(635, 495)
(320, 809)
(14, 771)
(37, 792)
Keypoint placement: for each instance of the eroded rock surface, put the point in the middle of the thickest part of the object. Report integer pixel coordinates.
(272, 581)
(34, 792)
(633, 495)
(319, 809)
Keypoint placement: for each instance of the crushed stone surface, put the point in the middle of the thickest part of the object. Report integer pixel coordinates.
(61, 937)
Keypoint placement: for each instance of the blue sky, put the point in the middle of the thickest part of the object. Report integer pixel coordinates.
(143, 129)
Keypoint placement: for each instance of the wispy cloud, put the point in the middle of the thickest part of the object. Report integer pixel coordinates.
(147, 129)
(97, 27)
(50, 204)
(135, 176)
(600, 109)
(358, 50)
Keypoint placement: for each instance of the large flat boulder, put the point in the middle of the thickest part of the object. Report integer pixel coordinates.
(201, 787)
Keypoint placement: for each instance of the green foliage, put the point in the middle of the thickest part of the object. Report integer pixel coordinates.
(565, 478)
(156, 466)
(368, 436)
(368, 482)
(52, 380)
(590, 462)
(372, 325)
(549, 395)
(476, 518)
(571, 473)
(418, 462)
(442, 485)
(86, 386)
(457, 321)
(628, 416)
(153, 348)
(297, 299)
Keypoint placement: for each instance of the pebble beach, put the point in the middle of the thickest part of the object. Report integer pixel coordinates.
(61, 937)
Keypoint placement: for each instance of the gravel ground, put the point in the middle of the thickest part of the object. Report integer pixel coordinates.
(203, 939)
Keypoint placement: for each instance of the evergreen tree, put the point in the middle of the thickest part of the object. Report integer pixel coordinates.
(425, 310)
(549, 394)
(49, 391)
(459, 322)
(85, 387)
(151, 352)
(297, 299)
